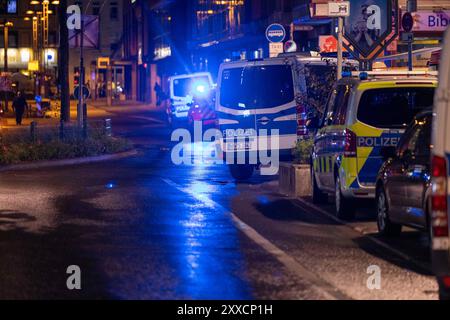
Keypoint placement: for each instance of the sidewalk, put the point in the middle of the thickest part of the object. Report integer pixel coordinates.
(126, 106)
(96, 110)
(93, 113)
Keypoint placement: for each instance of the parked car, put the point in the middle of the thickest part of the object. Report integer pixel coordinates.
(363, 114)
(403, 185)
(268, 94)
(440, 175)
(183, 89)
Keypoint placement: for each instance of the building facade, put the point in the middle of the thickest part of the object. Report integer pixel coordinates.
(164, 38)
(103, 39)
(234, 29)
(156, 35)
(28, 54)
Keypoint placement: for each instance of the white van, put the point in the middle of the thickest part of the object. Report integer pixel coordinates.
(440, 175)
(183, 88)
(269, 94)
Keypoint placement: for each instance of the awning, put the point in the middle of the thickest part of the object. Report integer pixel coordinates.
(302, 17)
(307, 21)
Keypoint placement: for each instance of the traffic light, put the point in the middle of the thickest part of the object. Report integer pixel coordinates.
(76, 76)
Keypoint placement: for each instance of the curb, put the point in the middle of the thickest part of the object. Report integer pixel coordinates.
(68, 162)
(363, 232)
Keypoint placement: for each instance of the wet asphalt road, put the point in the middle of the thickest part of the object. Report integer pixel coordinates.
(143, 228)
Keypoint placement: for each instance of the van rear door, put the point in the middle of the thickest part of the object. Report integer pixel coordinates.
(254, 96)
(236, 119)
(273, 102)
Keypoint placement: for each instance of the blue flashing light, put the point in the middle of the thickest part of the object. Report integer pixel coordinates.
(346, 74)
(363, 76)
(110, 185)
(200, 88)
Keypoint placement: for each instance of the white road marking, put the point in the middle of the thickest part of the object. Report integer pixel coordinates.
(321, 286)
(363, 232)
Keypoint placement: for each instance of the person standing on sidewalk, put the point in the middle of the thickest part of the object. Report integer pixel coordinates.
(19, 105)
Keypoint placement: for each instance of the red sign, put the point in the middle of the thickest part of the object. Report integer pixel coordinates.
(392, 47)
(328, 44)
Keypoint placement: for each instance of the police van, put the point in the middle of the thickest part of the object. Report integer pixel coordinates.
(440, 175)
(255, 97)
(365, 112)
(183, 89)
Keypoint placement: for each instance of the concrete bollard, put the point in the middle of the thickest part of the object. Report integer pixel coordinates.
(33, 127)
(108, 127)
(61, 130)
(295, 179)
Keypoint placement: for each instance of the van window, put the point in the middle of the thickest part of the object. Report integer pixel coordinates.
(320, 80)
(423, 145)
(337, 105)
(393, 107)
(257, 87)
(328, 115)
(184, 86)
(319, 83)
(340, 105)
(417, 139)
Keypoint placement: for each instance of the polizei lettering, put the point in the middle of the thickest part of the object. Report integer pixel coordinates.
(378, 141)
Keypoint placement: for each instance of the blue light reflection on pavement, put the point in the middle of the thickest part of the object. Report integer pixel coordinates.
(201, 242)
(211, 245)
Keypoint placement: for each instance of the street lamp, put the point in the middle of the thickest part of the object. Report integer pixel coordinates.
(6, 25)
(35, 17)
(42, 15)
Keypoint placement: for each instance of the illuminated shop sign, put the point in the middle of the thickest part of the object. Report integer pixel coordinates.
(431, 21)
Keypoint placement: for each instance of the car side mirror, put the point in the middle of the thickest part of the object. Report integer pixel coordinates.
(388, 153)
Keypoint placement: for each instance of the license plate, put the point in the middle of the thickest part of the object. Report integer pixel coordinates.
(239, 145)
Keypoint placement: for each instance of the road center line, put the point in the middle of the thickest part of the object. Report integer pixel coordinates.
(363, 232)
(291, 264)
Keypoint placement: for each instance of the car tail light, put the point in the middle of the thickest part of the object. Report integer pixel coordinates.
(439, 206)
(446, 281)
(302, 129)
(350, 144)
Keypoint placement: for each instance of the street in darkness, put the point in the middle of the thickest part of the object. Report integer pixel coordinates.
(221, 159)
(143, 228)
